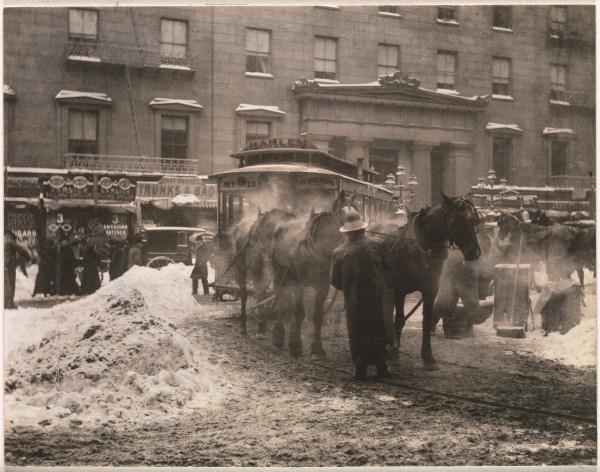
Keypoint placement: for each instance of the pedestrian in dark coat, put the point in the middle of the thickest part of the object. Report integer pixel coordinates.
(358, 269)
(134, 254)
(45, 281)
(13, 255)
(118, 259)
(90, 276)
(200, 271)
(68, 264)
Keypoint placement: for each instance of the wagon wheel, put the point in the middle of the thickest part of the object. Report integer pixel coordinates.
(160, 261)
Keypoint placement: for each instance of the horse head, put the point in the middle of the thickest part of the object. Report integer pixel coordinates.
(344, 201)
(507, 225)
(462, 220)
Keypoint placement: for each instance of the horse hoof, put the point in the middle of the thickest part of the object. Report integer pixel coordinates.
(431, 366)
(277, 342)
(318, 356)
(295, 351)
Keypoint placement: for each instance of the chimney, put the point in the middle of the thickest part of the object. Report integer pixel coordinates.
(359, 169)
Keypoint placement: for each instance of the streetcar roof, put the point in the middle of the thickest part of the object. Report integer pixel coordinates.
(291, 169)
(176, 228)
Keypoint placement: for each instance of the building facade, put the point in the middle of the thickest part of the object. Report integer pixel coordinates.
(119, 96)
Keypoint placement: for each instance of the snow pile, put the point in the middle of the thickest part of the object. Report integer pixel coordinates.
(117, 354)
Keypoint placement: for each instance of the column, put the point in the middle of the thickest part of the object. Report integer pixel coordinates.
(462, 156)
(356, 150)
(421, 165)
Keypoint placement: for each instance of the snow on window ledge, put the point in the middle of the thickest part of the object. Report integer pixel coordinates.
(327, 81)
(262, 75)
(560, 102)
(73, 57)
(447, 91)
(504, 30)
(439, 21)
(507, 98)
(390, 14)
(173, 67)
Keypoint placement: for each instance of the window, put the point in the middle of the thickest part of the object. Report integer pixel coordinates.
(501, 76)
(391, 9)
(501, 157)
(558, 78)
(325, 58)
(446, 13)
(558, 20)
(559, 158)
(387, 59)
(257, 130)
(83, 24)
(258, 51)
(384, 161)
(83, 132)
(174, 137)
(502, 17)
(446, 70)
(173, 39)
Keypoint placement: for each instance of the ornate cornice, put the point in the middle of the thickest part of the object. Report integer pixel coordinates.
(399, 79)
(305, 84)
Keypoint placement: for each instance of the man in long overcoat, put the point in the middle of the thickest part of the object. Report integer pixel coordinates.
(13, 254)
(200, 271)
(358, 269)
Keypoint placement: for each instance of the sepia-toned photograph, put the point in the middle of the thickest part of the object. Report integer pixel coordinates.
(351, 235)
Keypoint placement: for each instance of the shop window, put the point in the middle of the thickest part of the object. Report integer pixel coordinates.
(558, 165)
(446, 13)
(325, 58)
(446, 70)
(384, 161)
(258, 51)
(83, 24)
(558, 78)
(502, 17)
(501, 76)
(387, 59)
(558, 20)
(83, 132)
(173, 38)
(174, 137)
(501, 157)
(257, 130)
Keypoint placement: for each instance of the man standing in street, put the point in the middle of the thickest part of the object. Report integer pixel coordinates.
(134, 254)
(358, 270)
(13, 255)
(200, 271)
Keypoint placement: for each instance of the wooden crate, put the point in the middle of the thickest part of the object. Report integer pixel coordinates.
(504, 291)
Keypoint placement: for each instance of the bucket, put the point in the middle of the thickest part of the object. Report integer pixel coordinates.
(455, 328)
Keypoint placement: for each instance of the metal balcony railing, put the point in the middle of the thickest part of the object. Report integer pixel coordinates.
(131, 163)
(575, 99)
(118, 54)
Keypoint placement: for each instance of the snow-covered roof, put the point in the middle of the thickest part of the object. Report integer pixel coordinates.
(8, 90)
(176, 101)
(185, 199)
(494, 126)
(269, 108)
(69, 94)
(558, 131)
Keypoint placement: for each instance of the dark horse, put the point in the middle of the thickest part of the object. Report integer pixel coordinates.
(417, 254)
(302, 254)
(252, 241)
(563, 248)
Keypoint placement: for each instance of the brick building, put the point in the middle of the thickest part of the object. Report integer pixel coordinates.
(126, 95)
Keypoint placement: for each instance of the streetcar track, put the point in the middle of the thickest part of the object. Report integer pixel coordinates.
(452, 396)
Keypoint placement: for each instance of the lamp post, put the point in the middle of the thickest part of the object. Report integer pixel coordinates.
(491, 178)
(397, 185)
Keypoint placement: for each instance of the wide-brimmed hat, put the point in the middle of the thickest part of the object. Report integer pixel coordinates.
(354, 222)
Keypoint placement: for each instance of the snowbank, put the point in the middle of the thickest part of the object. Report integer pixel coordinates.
(117, 355)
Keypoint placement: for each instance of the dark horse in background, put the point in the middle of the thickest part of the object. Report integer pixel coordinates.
(252, 241)
(302, 254)
(417, 254)
(563, 248)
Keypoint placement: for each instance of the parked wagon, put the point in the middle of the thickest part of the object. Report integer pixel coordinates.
(165, 245)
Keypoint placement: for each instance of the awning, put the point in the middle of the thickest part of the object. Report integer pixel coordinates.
(73, 94)
(166, 203)
(502, 126)
(84, 203)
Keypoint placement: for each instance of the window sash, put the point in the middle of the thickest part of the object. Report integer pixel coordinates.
(173, 137)
(387, 56)
(446, 13)
(83, 24)
(558, 77)
(558, 166)
(258, 46)
(325, 58)
(389, 9)
(501, 77)
(446, 63)
(501, 155)
(257, 130)
(173, 38)
(502, 17)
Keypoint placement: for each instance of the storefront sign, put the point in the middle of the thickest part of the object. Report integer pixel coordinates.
(20, 221)
(82, 188)
(170, 187)
(22, 187)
